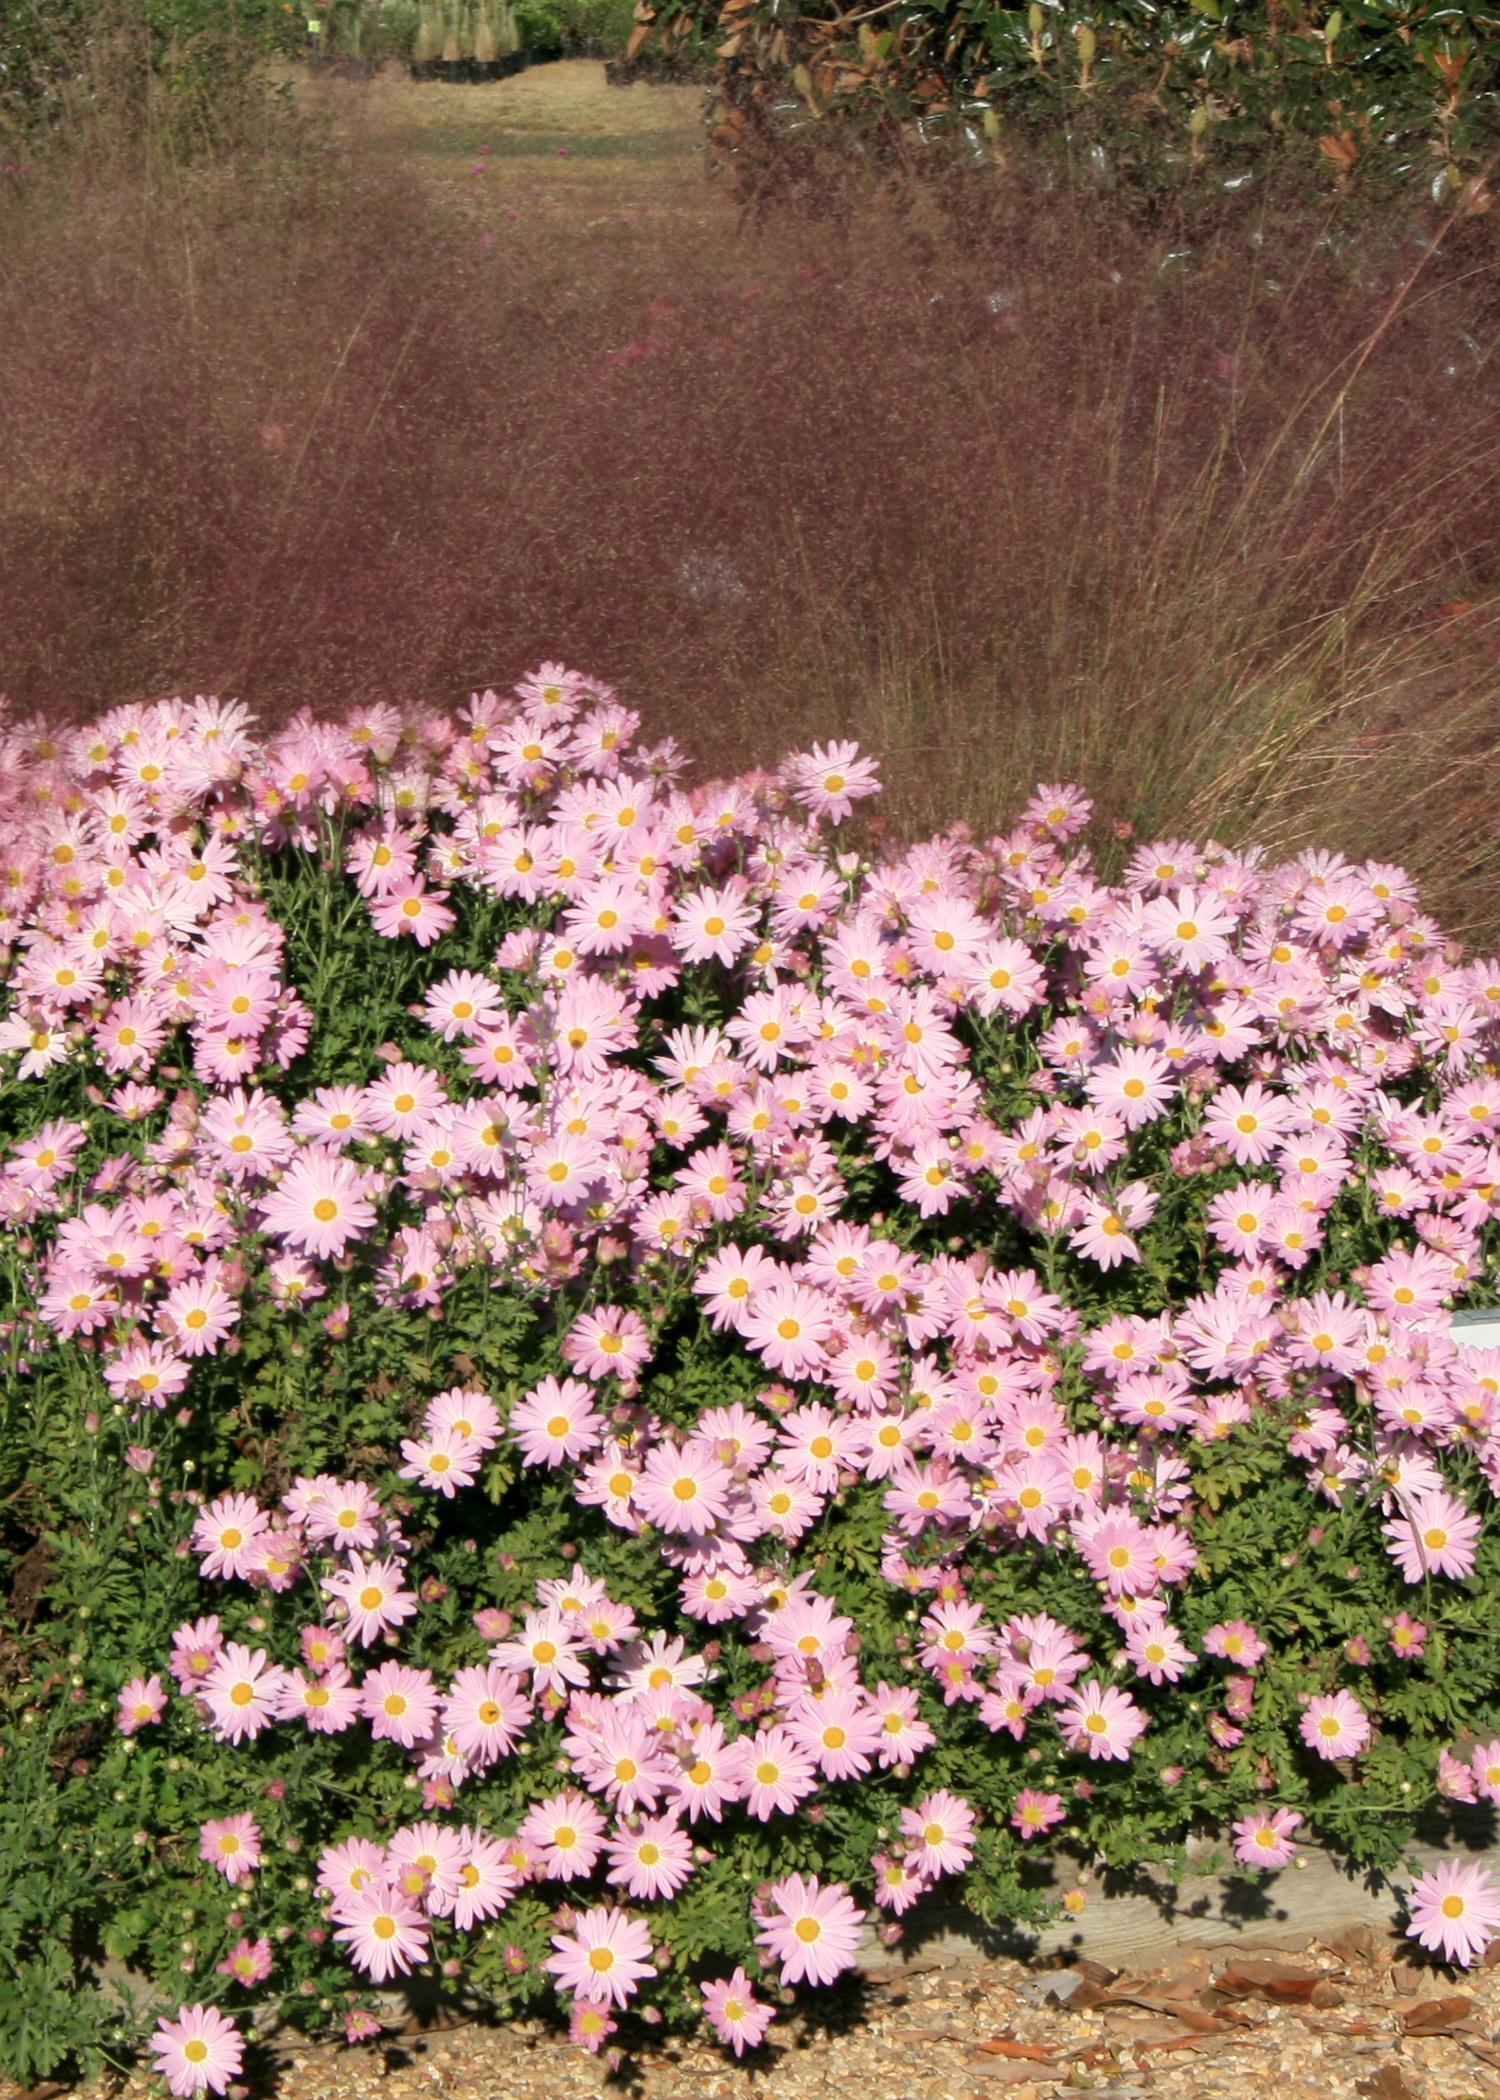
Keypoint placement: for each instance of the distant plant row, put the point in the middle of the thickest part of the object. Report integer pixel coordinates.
(1143, 89)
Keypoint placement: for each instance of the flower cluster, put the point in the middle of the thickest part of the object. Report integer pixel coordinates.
(1026, 1218)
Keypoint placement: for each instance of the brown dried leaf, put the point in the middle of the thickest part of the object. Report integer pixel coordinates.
(1185, 2013)
(1436, 2015)
(1084, 1997)
(1387, 2084)
(1276, 1981)
(1023, 2052)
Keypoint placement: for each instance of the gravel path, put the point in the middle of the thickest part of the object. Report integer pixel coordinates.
(1341, 2021)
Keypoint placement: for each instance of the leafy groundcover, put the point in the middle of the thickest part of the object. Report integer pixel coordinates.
(606, 1379)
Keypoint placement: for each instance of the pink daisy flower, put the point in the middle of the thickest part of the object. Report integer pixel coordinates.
(711, 1776)
(1236, 1642)
(383, 1931)
(241, 1692)
(734, 2012)
(247, 1962)
(605, 1957)
(778, 1774)
(1484, 1763)
(320, 1204)
(232, 1844)
(199, 2050)
(328, 1703)
(898, 1882)
(399, 1703)
(142, 1703)
(225, 1533)
(1035, 1813)
(1101, 1720)
(1336, 1726)
(410, 909)
(486, 1881)
(1435, 1535)
(1455, 1911)
(565, 1833)
(371, 1594)
(652, 1861)
(612, 1340)
(486, 1713)
(940, 1833)
(683, 1488)
(467, 1413)
(811, 1930)
(195, 1650)
(590, 2025)
(442, 1460)
(557, 1422)
(1266, 1840)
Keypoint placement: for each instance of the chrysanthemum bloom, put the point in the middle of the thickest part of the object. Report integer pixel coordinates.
(443, 1460)
(1435, 1535)
(328, 1702)
(486, 1881)
(198, 2050)
(411, 909)
(399, 1703)
(320, 1204)
(590, 2025)
(1485, 1765)
(486, 1713)
(241, 1691)
(838, 1729)
(1336, 1726)
(1408, 1636)
(903, 1732)
(247, 1962)
(777, 1774)
(652, 1861)
(1266, 1840)
(224, 1533)
(939, 1832)
(604, 1957)
(198, 1313)
(342, 1512)
(143, 1701)
(811, 1930)
(1455, 1911)
(1035, 1813)
(1236, 1641)
(383, 1931)
(343, 1870)
(546, 1646)
(683, 1488)
(565, 1833)
(371, 1593)
(734, 2012)
(557, 1421)
(195, 1649)
(1101, 1720)
(232, 1844)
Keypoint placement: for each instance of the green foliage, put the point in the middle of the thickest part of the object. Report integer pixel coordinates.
(1133, 91)
(182, 71)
